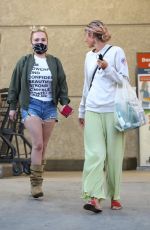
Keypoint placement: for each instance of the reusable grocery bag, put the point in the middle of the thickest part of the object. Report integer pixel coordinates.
(128, 112)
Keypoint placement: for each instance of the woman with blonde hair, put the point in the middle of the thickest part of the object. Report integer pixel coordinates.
(39, 83)
(105, 67)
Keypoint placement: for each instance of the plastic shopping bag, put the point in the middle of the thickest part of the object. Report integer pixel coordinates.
(128, 113)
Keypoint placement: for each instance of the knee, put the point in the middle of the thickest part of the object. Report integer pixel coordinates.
(38, 147)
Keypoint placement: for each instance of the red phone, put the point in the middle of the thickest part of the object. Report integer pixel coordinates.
(67, 110)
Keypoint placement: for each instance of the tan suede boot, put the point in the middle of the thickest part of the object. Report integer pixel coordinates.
(36, 180)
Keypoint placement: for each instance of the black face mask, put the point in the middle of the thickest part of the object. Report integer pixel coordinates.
(39, 48)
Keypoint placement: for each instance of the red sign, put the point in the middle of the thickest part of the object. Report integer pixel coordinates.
(143, 60)
(145, 78)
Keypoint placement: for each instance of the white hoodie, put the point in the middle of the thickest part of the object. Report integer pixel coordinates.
(100, 97)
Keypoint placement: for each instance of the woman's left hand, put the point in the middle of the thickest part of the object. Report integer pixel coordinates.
(66, 110)
(102, 64)
(61, 108)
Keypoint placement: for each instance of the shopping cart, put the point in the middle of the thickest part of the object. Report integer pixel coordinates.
(14, 146)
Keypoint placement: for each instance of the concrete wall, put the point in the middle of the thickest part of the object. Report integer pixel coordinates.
(129, 23)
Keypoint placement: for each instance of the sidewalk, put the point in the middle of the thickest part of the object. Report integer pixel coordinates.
(61, 208)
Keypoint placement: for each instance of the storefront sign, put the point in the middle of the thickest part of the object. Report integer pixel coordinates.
(143, 76)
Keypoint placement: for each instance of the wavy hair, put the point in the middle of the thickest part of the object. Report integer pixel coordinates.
(99, 30)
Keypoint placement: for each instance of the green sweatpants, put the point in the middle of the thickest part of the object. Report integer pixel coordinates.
(104, 146)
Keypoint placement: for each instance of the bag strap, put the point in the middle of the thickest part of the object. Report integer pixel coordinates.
(98, 67)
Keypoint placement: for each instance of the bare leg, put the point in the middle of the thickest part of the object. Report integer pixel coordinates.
(47, 131)
(34, 126)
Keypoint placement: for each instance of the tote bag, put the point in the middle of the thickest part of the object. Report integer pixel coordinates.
(128, 113)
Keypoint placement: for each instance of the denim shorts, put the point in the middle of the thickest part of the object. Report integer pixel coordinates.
(46, 110)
